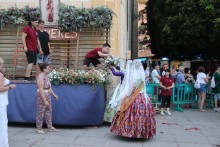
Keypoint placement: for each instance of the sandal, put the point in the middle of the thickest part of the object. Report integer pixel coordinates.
(40, 131)
(52, 129)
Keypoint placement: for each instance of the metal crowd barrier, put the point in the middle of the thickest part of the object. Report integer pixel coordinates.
(181, 94)
(152, 90)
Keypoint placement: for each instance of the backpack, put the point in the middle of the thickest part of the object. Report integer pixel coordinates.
(197, 84)
(213, 84)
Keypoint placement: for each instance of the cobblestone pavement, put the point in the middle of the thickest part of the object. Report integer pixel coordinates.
(178, 130)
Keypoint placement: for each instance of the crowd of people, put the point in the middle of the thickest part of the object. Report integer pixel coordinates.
(183, 75)
(128, 109)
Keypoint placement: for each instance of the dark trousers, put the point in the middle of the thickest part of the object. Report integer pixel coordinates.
(165, 101)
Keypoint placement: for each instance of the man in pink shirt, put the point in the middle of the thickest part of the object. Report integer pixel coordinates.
(95, 54)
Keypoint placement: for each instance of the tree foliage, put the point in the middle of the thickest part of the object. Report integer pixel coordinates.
(183, 29)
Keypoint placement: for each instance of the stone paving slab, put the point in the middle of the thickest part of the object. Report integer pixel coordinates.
(170, 133)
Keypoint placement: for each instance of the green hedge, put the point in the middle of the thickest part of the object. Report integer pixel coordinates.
(70, 17)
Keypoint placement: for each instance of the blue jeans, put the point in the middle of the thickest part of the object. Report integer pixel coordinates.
(41, 58)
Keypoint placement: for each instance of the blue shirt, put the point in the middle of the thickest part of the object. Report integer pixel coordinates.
(180, 78)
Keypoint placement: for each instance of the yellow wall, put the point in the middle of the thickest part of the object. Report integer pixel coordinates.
(118, 34)
(113, 4)
(142, 1)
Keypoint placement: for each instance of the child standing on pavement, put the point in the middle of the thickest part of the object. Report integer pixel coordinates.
(166, 83)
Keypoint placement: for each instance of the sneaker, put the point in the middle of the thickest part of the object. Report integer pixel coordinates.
(40, 131)
(162, 113)
(216, 110)
(26, 78)
(169, 113)
(52, 129)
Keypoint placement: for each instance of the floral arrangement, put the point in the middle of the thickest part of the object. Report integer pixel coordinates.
(74, 19)
(16, 16)
(70, 17)
(70, 76)
(111, 61)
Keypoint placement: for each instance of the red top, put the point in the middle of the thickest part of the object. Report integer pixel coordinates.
(167, 82)
(94, 53)
(31, 38)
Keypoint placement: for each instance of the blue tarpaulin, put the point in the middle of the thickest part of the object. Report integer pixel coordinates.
(77, 105)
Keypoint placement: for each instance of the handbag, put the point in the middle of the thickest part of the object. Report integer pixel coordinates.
(197, 84)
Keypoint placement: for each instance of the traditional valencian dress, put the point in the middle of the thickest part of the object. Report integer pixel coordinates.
(135, 118)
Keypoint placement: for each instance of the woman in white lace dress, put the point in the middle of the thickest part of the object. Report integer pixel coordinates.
(4, 87)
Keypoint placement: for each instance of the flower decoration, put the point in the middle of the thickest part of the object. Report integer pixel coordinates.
(111, 61)
(71, 18)
(16, 16)
(72, 77)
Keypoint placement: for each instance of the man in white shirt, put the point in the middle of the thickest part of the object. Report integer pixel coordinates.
(156, 79)
(155, 74)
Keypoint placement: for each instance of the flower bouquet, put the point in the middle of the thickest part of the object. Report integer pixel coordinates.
(111, 61)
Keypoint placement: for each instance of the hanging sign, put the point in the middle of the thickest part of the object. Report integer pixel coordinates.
(56, 34)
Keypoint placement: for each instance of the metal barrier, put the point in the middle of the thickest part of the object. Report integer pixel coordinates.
(183, 94)
(152, 90)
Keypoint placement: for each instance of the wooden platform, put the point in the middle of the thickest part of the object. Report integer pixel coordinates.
(65, 53)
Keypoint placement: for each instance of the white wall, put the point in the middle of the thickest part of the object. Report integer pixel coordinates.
(124, 33)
